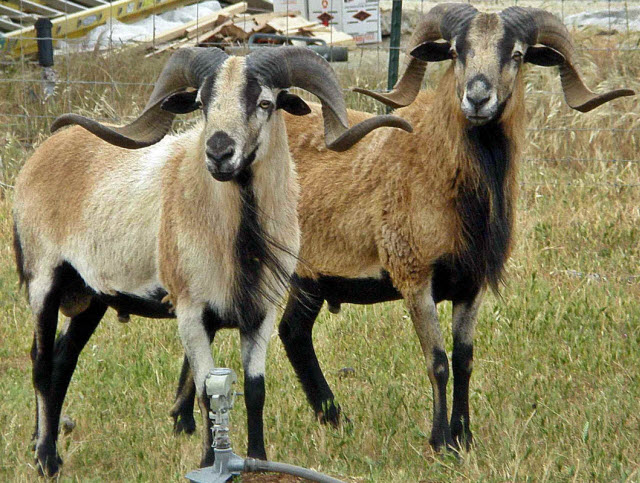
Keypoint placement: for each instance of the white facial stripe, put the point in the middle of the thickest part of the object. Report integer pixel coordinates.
(519, 46)
(226, 110)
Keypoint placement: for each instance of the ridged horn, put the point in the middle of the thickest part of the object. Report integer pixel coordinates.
(187, 67)
(360, 130)
(285, 67)
(547, 29)
(443, 21)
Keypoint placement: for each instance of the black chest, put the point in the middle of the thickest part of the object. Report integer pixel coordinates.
(260, 273)
(249, 256)
(484, 208)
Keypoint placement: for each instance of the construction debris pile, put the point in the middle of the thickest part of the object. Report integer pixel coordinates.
(232, 25)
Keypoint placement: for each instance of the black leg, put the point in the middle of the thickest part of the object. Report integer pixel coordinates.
(45, 300)
(254, 394)
(182, 410)
(464, 321)
(462, 361)
(34, 352)
(295, 331)
(67, 349)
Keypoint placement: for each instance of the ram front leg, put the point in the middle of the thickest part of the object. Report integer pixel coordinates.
(195, 341)
(182, 410)
(254, 354)
(424, 315)
(465, 313)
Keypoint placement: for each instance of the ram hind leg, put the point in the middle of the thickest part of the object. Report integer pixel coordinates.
(464, 321)
(295, 331)
(182, 410)
(61, 365)
(44, 298)
(422, 309)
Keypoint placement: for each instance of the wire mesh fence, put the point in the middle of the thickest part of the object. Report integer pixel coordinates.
(110, 80)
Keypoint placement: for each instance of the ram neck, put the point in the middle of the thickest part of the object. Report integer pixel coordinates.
(275, 182)
(267, 238)
(477, 168)
(437, 112)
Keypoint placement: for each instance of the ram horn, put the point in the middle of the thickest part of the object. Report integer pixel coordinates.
(187, 67)
(550, 31)
(286, 67)
(443, 21)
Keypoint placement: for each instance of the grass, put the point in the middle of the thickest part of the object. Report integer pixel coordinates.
(555, 392)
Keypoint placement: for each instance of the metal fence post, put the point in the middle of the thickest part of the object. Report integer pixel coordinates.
(394, 46)
(45, 42)
(45, 56)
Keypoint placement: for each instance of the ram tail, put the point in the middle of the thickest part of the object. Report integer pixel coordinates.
(19, 254)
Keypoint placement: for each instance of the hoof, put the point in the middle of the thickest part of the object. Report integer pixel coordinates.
(258, 455)
(463, 441)
(208, 458)
(461, 435)
(442, 443)
(48, 464)
(331, 414)
(182, 424)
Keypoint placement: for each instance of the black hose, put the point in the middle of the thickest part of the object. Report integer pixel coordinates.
(255, 466)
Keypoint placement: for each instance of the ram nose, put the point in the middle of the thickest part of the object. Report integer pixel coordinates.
(479, 100)
(220, 147)
(220, 154)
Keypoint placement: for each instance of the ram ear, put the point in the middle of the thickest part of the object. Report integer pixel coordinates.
(182, 102)
(432, 51)
(544, 56)
(292, 104)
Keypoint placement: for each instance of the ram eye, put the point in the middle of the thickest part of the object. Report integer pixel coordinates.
(517, 56)
(265, 104)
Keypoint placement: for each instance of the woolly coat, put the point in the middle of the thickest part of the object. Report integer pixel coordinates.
(392, 202)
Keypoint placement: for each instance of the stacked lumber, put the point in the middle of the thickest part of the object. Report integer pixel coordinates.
(202, 24)
(233, 26)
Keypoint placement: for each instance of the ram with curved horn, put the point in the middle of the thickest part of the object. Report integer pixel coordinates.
(426, 217)
(201, 226)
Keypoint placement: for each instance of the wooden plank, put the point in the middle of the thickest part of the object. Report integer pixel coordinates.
(238, 30)
(64, 6)
(211, 35)
(181, 31)
(170, 46)
(290, 24)
(331, 36)
(207, 25)
(262, 19)
(27, 6)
